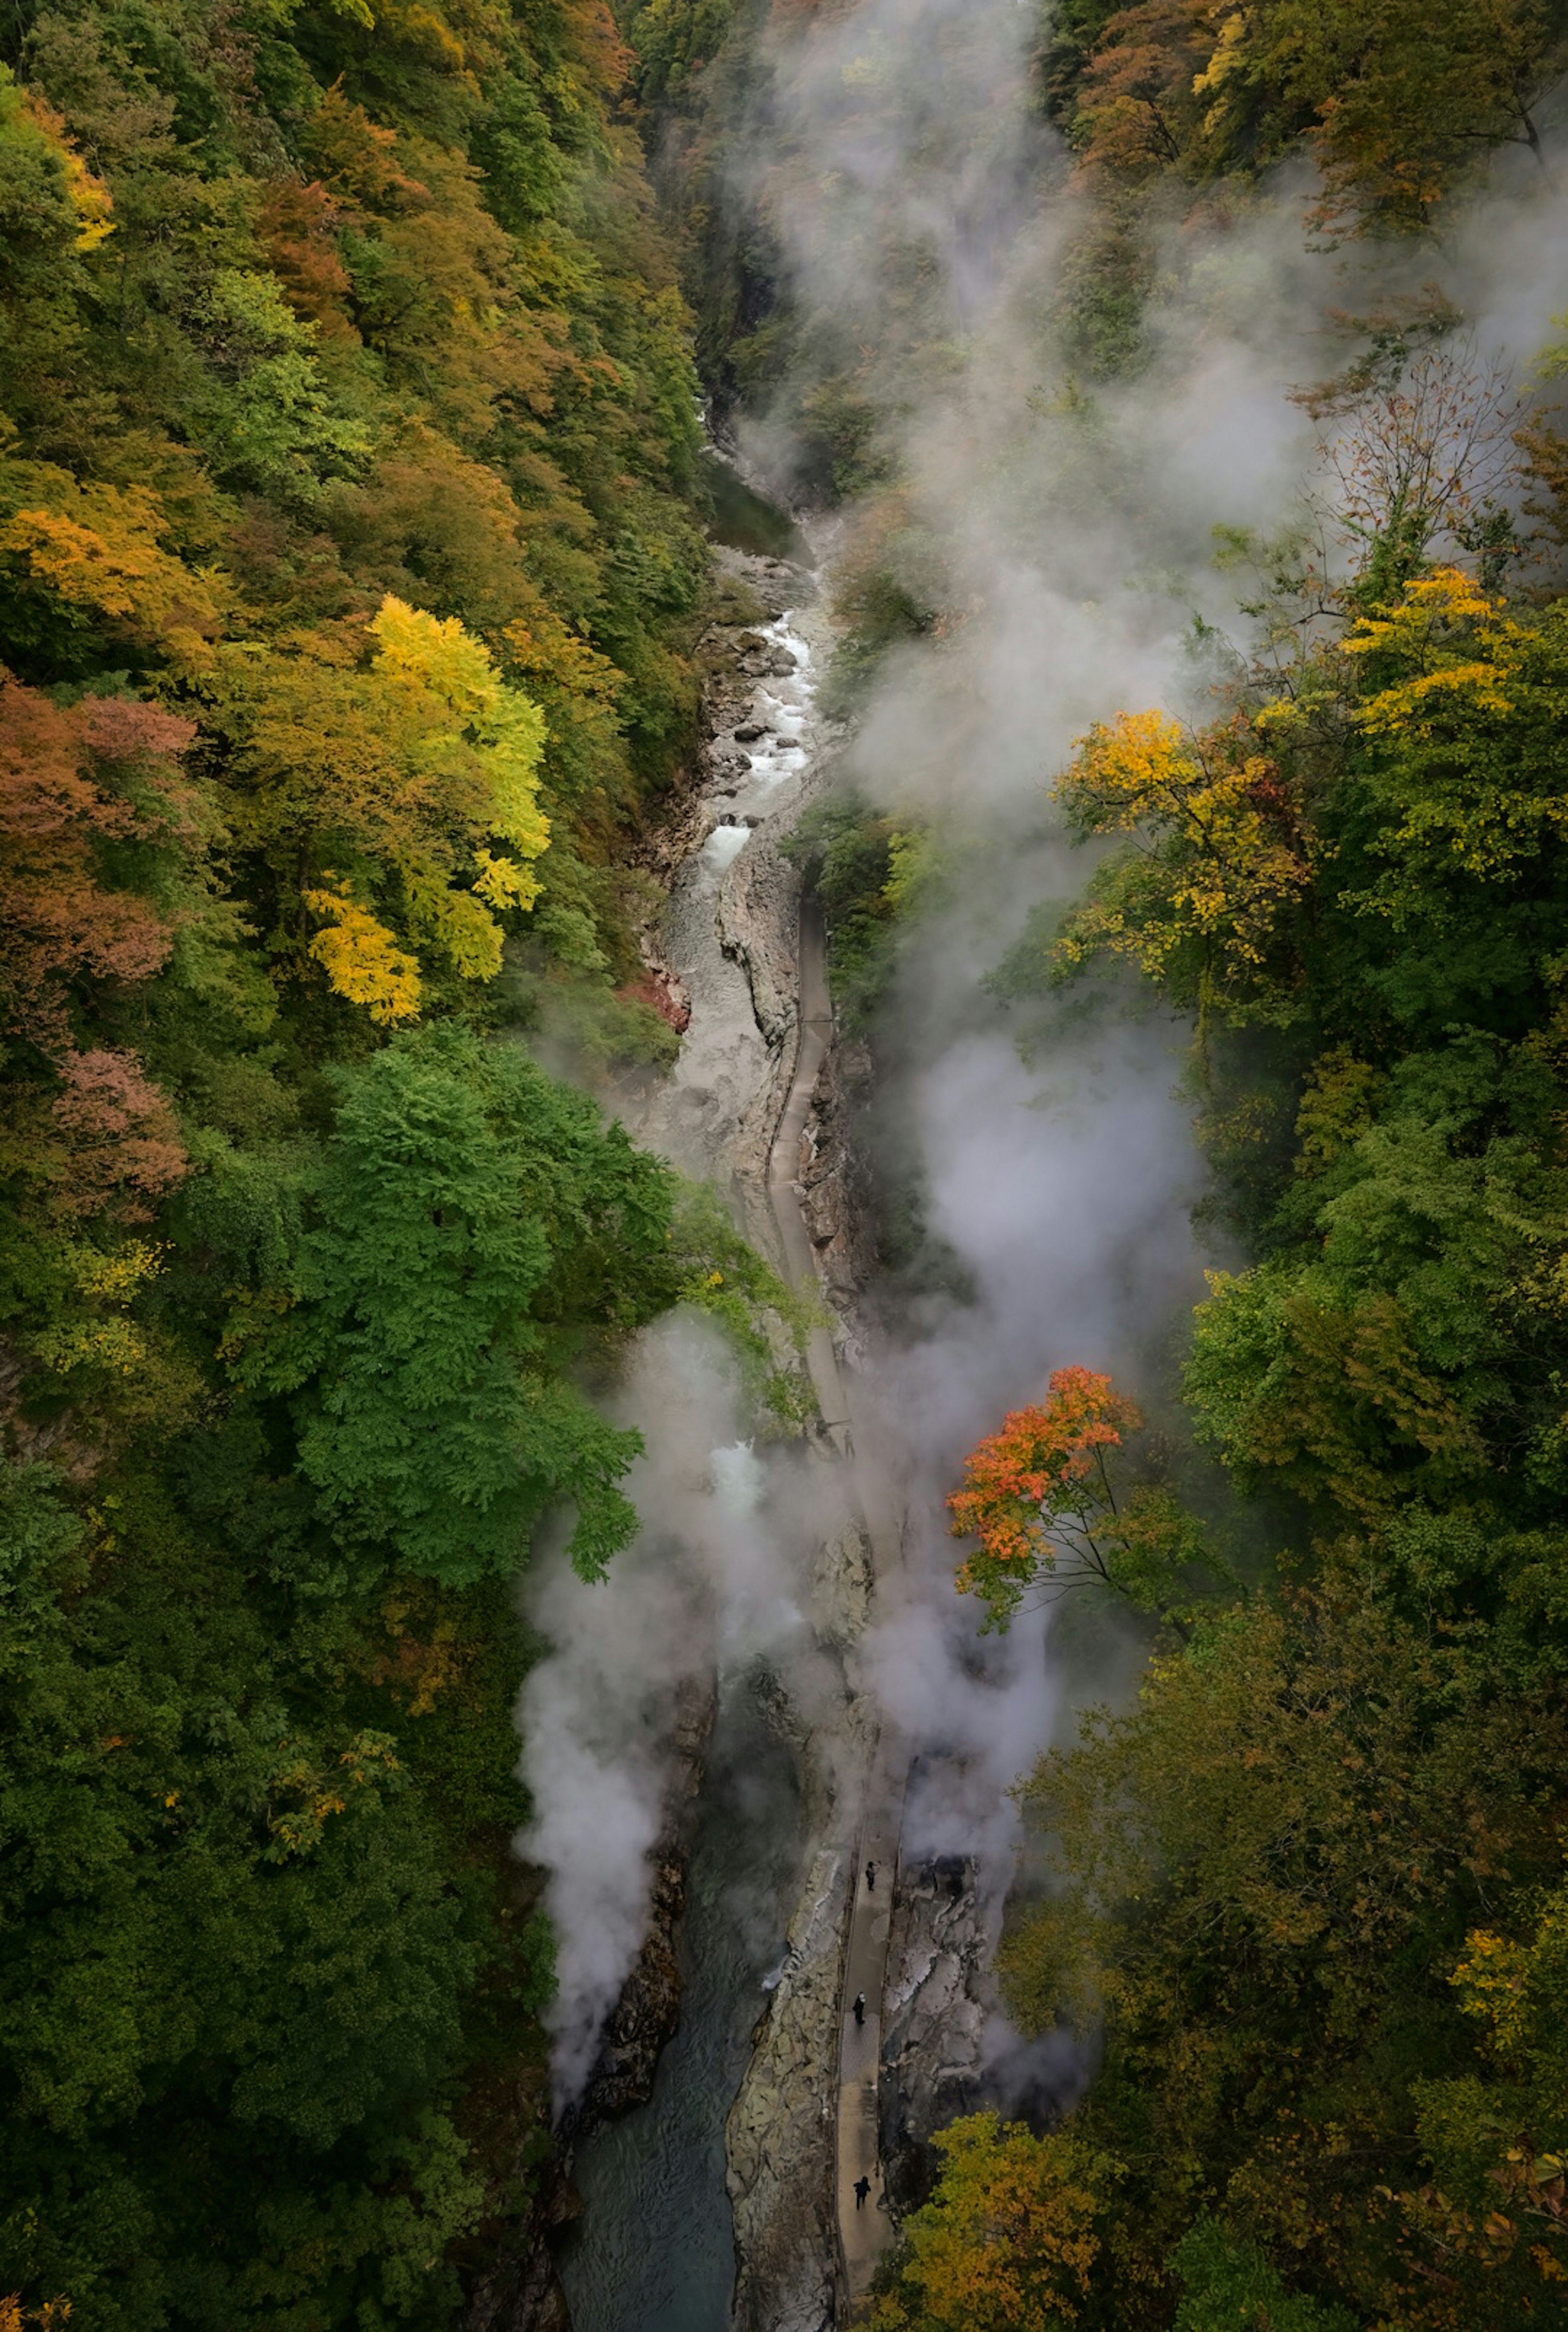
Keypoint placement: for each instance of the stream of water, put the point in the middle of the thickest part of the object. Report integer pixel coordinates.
(654, 2248)
(655, 2251)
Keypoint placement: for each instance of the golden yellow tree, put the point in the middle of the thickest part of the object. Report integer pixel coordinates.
(1216, 854)
(398, 802)
(1008, 2241)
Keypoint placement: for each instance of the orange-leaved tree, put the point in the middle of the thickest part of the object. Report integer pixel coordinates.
(102, 852)
(1044, 1504)
(74, 785)
(1139, 110)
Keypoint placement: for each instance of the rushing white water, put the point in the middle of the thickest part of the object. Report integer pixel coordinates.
(725, 844)
(783, 711)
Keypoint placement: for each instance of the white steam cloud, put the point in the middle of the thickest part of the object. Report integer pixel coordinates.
(937, 253)
(717, 1580)
(936, 250)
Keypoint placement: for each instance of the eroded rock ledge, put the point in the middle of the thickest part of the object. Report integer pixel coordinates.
(934, 2020)
(649, 2008)
(781, 2130)
(520, 2291)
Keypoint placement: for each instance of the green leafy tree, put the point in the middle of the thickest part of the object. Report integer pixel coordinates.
(473, 1223)
(1230, 2287)
(1258, 1870)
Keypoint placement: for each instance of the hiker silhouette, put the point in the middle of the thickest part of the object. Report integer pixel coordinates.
(862, 2189)
(860, 2008)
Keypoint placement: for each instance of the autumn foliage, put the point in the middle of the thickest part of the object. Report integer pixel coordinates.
(1057, 1507)
(1397, 104)
(349, 577)
(1218, 857)
(73, 785)
(1047, 1462)
(1305, 1889)
(1009, 2238)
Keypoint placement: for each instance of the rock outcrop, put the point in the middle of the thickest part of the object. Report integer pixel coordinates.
(781, 2133)
(934, 2017)
(834, 1200)
(520, 2291)
(649, 2007)
(842, 1582)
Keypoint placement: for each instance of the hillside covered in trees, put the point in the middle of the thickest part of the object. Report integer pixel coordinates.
(1305, 1898)
(349, 572)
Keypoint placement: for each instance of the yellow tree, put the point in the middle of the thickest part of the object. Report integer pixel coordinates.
(81, 557)
(1216, 854)
(398, 803)
(1008, 2240)
(1499, 2146)
(1466, 727)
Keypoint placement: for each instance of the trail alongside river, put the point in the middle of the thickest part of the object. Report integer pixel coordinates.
(865, 2225)
(733, 2152)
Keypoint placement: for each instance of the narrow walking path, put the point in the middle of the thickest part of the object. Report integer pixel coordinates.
(814, 1035)
(864, 2227)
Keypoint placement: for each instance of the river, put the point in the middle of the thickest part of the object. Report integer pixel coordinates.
(655, 2250)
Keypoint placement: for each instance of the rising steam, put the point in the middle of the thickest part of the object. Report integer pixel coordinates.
(936, 249)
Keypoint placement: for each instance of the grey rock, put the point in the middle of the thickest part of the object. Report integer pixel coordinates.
(842, 1581)
(519, 2290)
(649, 2007)
(781, 2136)
(933, 2021)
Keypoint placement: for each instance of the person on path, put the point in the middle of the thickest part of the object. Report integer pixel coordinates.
(860, 2008)
(871, 1878)
(862, 2189)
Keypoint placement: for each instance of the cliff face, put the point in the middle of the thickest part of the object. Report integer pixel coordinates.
(522, 2292)
(649, 2007)
(933, 2018)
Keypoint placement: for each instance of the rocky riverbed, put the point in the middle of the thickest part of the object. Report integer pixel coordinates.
(725, 956)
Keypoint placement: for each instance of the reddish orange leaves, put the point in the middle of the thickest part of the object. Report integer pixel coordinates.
(60, 806)
(1041, 1479)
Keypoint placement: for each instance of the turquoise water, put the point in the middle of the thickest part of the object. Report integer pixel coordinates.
(748, 521)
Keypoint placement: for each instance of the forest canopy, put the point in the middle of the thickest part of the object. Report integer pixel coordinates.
(351, 581)
(349, 573)
(1302, 1896)
(1297, 1906)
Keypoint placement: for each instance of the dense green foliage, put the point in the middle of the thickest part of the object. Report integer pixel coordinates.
(1309, 1887)
(1311, 1883)
(869, 874)
(347, 577)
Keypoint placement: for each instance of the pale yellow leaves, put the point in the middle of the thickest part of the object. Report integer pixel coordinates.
(461, 736)
(1217, 854)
